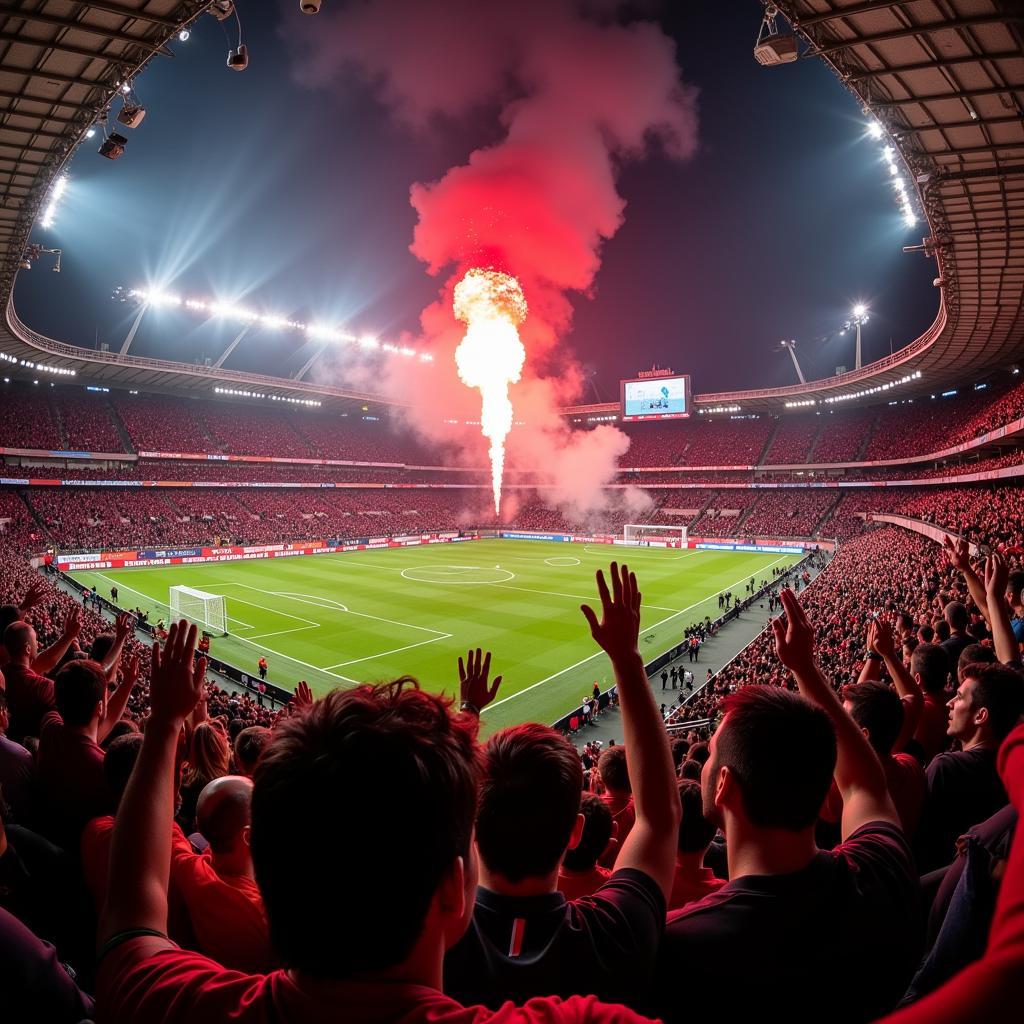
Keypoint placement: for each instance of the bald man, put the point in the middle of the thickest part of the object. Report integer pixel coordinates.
(218, 887)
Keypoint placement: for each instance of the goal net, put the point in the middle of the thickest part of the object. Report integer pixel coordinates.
(646, 533)
(206, 610)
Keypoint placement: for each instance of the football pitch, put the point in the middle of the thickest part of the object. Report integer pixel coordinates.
(353, 617)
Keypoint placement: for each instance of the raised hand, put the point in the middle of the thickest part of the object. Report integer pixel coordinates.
(35, 593)
(794, 637)
(881, 637)
(130, 670)
(176, 680)
(997, 576)
(124, 624)
(958, 552)
(72, 623)
(473, 673)
(618, 630)
(302, 699)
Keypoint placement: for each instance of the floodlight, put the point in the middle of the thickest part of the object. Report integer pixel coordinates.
(112, 146)
(131, 115)
(90, 133)
(184, 34)
(875, 130)
(860, 309)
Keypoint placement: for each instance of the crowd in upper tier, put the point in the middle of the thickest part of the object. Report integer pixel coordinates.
(66, 418)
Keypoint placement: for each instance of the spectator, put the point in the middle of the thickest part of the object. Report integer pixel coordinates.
(218, 887)
(955, 614)
(417, 778)
(692, 881)
(794, 916)
(525, 940)
(613, 770)
(17, 768)
(248, 746)
(580, 874)
(930, 666)
(963, 785)
(208, 759)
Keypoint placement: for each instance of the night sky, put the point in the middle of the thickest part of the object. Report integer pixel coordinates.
(251, 187)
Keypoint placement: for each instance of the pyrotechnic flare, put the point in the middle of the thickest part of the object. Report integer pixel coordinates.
(491, 356)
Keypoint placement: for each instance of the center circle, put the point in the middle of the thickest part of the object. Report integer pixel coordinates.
(461, 574)
(560, 560)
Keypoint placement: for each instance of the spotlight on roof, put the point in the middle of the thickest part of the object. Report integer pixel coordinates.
(183, 35)
(875, 130)
(131, 115)
(860, 309)
(774, 47)
(126, 87)
(113, 145)
(238, 60)
(91, 133)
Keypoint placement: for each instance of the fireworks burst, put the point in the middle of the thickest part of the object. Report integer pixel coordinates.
(491, 356)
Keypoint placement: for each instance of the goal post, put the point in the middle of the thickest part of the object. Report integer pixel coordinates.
(651, 533)
(206, 610)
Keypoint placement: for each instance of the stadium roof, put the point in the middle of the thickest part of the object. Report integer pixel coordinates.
(945, 79)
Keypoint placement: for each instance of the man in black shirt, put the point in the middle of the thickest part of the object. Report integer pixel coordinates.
(525, 939)
(794, 924)
(963, 785)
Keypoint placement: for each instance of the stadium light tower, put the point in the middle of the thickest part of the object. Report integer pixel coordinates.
(790, 347)
(858, 316)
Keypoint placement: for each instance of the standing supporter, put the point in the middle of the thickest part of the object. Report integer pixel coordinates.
(930, 666)
(793, 916)
(407, 767)
(248, 746)
(29, 693)
(218, 887)
(71, 785)
(580, 874)
(955, 614)
(209, 757)
(963, 785)
(613, 769)
(1015, 598)
(17, 769)
(525, 939)
(692, 881)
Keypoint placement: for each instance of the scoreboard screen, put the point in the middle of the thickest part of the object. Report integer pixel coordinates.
(656, 398)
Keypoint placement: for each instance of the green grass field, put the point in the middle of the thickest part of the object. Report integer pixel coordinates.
(364, 616)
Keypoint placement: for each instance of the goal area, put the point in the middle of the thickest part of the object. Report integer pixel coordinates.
(206, 610)
(656, 534)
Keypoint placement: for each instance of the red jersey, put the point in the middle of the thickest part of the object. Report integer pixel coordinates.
(574, 885)
(150, 981)
(29, 697)
(688, 888)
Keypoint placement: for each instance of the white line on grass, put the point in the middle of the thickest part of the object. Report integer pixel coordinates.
(384, 654)
(575, 597)
(263, 607)
(309, 599)
(297, 661)
(280, 632)
(647, 629)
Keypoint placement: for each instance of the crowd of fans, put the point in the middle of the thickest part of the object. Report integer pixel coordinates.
(181, 853)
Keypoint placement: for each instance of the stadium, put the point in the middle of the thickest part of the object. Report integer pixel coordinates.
(312, 537)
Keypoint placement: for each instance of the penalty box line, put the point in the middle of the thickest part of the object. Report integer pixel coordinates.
(583, 661)
(162, 604)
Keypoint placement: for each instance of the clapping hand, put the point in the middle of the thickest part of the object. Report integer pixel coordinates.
(473, 673)
(618, 631)
(958, 552)
(997, 576)
(794, 636)
(302, 698)
(124, 624)
(33, 596)
(882, 638)
(176, 680)
(73, 623)
(130, 670)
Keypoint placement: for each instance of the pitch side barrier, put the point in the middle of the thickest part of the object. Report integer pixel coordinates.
(761, 545)
(139, 558)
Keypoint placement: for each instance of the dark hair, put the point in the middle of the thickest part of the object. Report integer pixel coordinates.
(695, 831)
(122, 727)
(531, 781)
(926, 633)
(1001, 691)
(942, 631)
(931, 663)
(906, 620)
(680, 748)
(781, 749)
(16, 636)
(875, 707)
(597, 831)
(955, 613)
(78, 687)
(691, 769)
(3, 700)
(119, 760)
(8, 613)
(101, 646)
(974, 654)
(249, 744)
(614, 770)
(375, 789)
(700, 752)
(1015, 583)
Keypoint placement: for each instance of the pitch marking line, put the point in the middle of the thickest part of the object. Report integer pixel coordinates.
(561, 561)
(575, 597)
(280, 632)
(647, 629)
(296, 661)
(253, 604)
(309, 599)
(384, 654)
(607, 550)
(448, 572)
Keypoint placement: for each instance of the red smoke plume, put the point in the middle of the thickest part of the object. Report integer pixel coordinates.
(580, 93)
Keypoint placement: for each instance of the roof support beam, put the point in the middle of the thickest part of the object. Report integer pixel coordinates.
(152, 19)
(930, 65)
(60, 46)
(31, 74)
(977, 20)
(32, 131)
(848, 12)
(21, 97)
(38, 17)
(234, 344)
(956, 94)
